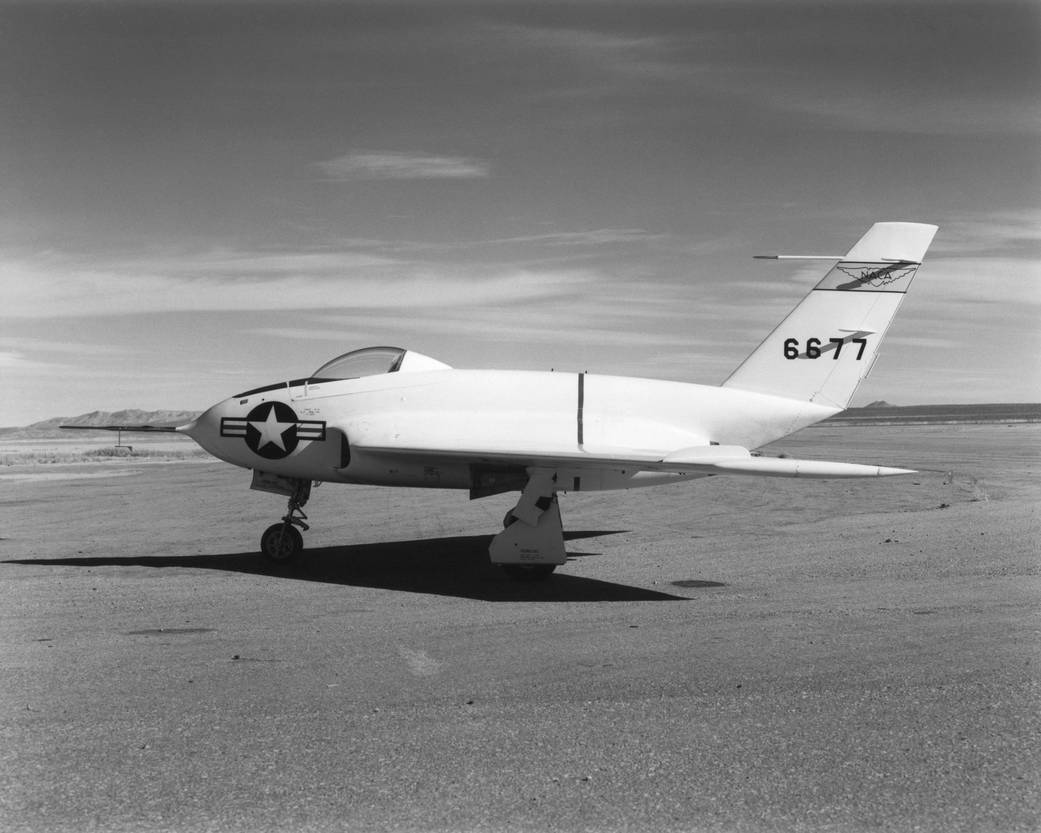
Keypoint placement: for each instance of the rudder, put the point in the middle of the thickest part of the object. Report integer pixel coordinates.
(825, 347)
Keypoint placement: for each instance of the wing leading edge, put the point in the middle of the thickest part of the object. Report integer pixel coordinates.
(709, 459)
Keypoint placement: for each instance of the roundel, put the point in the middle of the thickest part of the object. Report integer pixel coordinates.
(271, 430)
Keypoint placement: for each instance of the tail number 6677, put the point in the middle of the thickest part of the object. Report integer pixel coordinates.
(816, 347)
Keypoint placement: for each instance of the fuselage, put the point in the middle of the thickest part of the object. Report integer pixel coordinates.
(321, 429)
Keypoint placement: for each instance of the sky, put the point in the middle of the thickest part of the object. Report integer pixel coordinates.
(197, 198)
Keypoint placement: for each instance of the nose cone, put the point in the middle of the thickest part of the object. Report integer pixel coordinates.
(209, 431)
(265, 432)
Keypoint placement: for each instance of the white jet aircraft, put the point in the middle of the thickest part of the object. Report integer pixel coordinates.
(393, 417)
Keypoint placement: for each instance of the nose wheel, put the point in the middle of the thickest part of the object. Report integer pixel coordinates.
(282, 542)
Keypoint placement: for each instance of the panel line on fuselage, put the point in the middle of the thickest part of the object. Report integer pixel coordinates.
(581, 407)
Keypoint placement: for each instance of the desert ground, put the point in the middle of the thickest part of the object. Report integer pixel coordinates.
(730, 654)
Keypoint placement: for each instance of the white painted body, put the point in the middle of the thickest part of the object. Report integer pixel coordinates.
(414, 421)
(515, 413)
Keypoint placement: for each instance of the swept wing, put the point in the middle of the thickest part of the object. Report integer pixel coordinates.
(708, 459)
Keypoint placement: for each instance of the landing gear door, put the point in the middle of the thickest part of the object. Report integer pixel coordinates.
(276, 484)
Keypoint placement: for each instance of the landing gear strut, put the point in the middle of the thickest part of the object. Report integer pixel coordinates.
(531, 545)
(283, 542)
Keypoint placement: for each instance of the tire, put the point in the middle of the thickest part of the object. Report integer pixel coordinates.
(281, 543)
(529, 572)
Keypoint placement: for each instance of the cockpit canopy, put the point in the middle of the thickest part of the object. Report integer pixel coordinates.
(369, 361)
(373, 361)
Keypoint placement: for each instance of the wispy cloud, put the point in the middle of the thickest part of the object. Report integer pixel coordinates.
(525, 249)
(555, 324)
(21, 344)
(886, 110)
(56, 285)
(1006, 233)
(642, 55)
(596, 237)
(15, 360)
(1009, 282)
(819, 70)
(368, 164)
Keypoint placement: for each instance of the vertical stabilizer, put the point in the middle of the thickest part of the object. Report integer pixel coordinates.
(825, 347)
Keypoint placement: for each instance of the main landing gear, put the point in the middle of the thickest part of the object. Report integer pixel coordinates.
(531, 544)
(282, 542)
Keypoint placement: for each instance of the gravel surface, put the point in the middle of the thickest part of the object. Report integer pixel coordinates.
(733, 654)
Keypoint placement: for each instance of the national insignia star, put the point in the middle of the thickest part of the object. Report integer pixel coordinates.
(271, 430)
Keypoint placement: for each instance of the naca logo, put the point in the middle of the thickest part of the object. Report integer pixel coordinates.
(272, 430)
(873, 275)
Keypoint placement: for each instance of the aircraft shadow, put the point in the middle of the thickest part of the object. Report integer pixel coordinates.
(456, 566)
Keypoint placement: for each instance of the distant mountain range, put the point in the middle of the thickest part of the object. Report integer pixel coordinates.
(877, 413)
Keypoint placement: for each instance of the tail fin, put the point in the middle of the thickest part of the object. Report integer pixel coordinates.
(825, 347)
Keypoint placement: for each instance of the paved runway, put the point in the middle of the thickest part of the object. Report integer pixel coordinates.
(733, 654)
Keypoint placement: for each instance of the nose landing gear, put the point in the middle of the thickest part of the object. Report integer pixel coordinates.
(282, 542)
